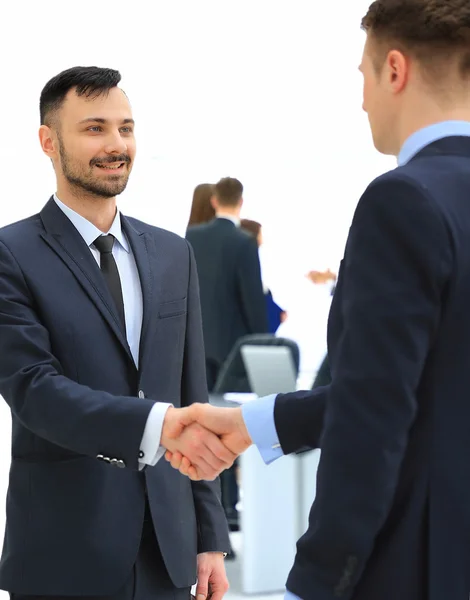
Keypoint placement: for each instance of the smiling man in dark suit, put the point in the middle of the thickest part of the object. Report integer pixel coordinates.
(100, 333)
(391, 517)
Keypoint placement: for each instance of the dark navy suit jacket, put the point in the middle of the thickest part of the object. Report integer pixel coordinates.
(391, 518)
(232, 299)
(74, 523)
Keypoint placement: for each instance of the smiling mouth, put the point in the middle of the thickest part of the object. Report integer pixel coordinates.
(111, 166)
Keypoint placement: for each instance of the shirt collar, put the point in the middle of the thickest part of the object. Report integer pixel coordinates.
(235, 220)
(422, 138)
(90, 232)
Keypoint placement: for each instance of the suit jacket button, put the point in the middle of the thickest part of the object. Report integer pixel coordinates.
(121, 464)
(141, 394)
(100, 457)
(106, 459)
(114, 462)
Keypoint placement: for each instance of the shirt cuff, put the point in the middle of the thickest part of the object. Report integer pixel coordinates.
(150, 449)
(259, 420)
(290, 596)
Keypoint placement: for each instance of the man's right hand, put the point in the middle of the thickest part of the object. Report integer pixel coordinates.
(226, 423)
(183, 436)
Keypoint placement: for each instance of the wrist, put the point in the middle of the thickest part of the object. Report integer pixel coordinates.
(242, 428)
(167, 439)
(215, 553)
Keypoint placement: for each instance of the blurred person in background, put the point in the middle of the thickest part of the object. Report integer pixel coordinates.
(323, 375)
(232, 299)
(276, 315)
(202, 209)
(320, 277)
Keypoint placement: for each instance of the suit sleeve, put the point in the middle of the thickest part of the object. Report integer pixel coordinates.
(298, 417)
(250, 288)
(212, 525)
(396, 268)
(68, 414)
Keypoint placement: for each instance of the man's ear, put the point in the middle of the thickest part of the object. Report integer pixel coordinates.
(47, 141)
(398, 70)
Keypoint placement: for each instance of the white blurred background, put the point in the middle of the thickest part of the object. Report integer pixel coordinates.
(267, 91)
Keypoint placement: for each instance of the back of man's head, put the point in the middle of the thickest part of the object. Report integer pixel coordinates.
(434, 32)
(228, 192)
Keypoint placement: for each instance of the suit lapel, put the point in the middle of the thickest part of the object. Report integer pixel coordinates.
(148, 266)
(63, 238)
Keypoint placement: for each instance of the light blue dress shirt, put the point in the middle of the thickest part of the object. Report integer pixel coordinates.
(259, 415)
(422, 138)
(133, 310)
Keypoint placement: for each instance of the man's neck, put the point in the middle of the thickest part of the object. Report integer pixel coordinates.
(231, 215)
(228, 212)
(99, 211)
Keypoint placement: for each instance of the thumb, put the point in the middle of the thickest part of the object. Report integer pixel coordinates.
(187, 415)
(176, 419)
(182, 417)
(202, 588)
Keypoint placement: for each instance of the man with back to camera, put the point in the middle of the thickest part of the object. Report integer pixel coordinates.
(100, 332)
(232, 298)
(391, 518)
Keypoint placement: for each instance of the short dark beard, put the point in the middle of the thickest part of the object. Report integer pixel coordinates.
(82, 181)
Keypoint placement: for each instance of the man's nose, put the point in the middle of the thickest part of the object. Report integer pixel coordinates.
(115, 143)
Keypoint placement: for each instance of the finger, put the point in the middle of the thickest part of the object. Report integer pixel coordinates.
(225, 457)
(184, 466)
(218, 584)
(196, 445)
(204, 469)
(186, 463)
(168, 455)
(211, 449)
(194, 475)
(190, 470)
(206, 455)
(218, 591)
(176, 460)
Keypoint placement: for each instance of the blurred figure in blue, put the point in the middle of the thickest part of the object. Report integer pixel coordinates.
(276, 314)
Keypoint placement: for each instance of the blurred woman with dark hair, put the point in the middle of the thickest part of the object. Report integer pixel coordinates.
(254, 228)
(276, 315)
(202, 210)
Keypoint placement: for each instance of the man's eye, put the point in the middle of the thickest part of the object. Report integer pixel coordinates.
(126, 129)
(94, 128)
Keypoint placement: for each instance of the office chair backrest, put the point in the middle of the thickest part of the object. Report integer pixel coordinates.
(270, 369)
(233, 377)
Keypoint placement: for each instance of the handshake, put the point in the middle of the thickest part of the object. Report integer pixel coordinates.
(201, 440)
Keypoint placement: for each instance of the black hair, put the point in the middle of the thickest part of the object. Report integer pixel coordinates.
(88, 81)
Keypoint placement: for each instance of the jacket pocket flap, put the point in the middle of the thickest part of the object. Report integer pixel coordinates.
(172, 308)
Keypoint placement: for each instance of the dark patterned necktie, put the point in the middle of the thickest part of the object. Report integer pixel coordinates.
(108, 266)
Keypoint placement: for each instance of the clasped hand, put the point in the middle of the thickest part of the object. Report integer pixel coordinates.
(202, 440)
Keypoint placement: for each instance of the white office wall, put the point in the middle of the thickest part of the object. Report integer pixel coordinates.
(264, 90)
